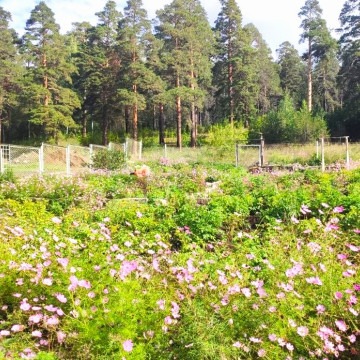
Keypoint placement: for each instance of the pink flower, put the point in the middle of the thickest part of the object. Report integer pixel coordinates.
(272, 337)
(261, 353)
(341, 325)
(60, 336)
(17, 328)
(61, 298)
(63, 262)
(338, 295)
(47, 281)
(4, 333)
(237, 344)
(314, 280)
(128, 345)
(320, 309)
(52, 320)
(56, 220)
(302, 331)
(338, 209)
(36, 333)
(246, 292)
(25, 306)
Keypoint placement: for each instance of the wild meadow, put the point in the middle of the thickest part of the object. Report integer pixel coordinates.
(180, 261)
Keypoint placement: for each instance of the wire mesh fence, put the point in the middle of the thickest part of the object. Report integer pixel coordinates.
(50, 159)
(25, 160)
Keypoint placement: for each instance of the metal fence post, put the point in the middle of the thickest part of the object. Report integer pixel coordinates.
(91, 155)
(41, 159)
(109, 146)
(68, 163)
(317, 148)
(322, 155)
(347, 153)
(262, 146)
(236, 154)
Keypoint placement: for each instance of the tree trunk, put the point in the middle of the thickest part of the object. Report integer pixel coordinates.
(230, 78)
(105, 126)
(84, 123)
(161, 124)
(127, 119)
(178, 122)
(135, 122)
(192, 114)
(309, 70)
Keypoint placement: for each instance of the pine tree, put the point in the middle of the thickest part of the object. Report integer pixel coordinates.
(292, 72)
(102, 66)
(188, 44)
(52, 99)
(228, 29)
(321, 48)
(10, 69)
(134, 32)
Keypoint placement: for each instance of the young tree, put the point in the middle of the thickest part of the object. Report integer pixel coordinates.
(49, 80)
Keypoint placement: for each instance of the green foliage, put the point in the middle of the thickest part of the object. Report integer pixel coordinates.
(109, 160)
(225, 135)
(289, 125)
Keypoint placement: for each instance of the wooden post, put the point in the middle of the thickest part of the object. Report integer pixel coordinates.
(165, 151)
(322, 155)
(262, 146)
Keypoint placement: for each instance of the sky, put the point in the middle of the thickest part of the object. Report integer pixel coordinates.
(277, 20)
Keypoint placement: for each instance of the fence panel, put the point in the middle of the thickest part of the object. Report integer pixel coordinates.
(80, 159)
(133, 149)
(23, 159)
(54, 159)
(247, 155)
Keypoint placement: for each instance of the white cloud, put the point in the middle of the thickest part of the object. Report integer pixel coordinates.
(277, 20)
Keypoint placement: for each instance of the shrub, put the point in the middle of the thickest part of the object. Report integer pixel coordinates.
(109, 160)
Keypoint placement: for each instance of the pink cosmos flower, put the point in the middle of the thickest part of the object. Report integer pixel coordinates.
(314, 280)
(17, 328)
(272, 337)
(320, 309)
(47, 281)
(302, 331)
(261, 353)
(338, 209)
(341, 325)
(4, 333)
(128, 345)
(237, 344)
(338, 295)
(60, 336)
(36, 333)
(56, 220)
(61, 298)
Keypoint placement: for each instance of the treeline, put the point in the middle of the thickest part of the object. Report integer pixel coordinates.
(128, 74)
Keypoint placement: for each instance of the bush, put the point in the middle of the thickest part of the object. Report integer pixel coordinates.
(109, 160)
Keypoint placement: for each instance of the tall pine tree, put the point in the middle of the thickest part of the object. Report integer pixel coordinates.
(49, 73)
